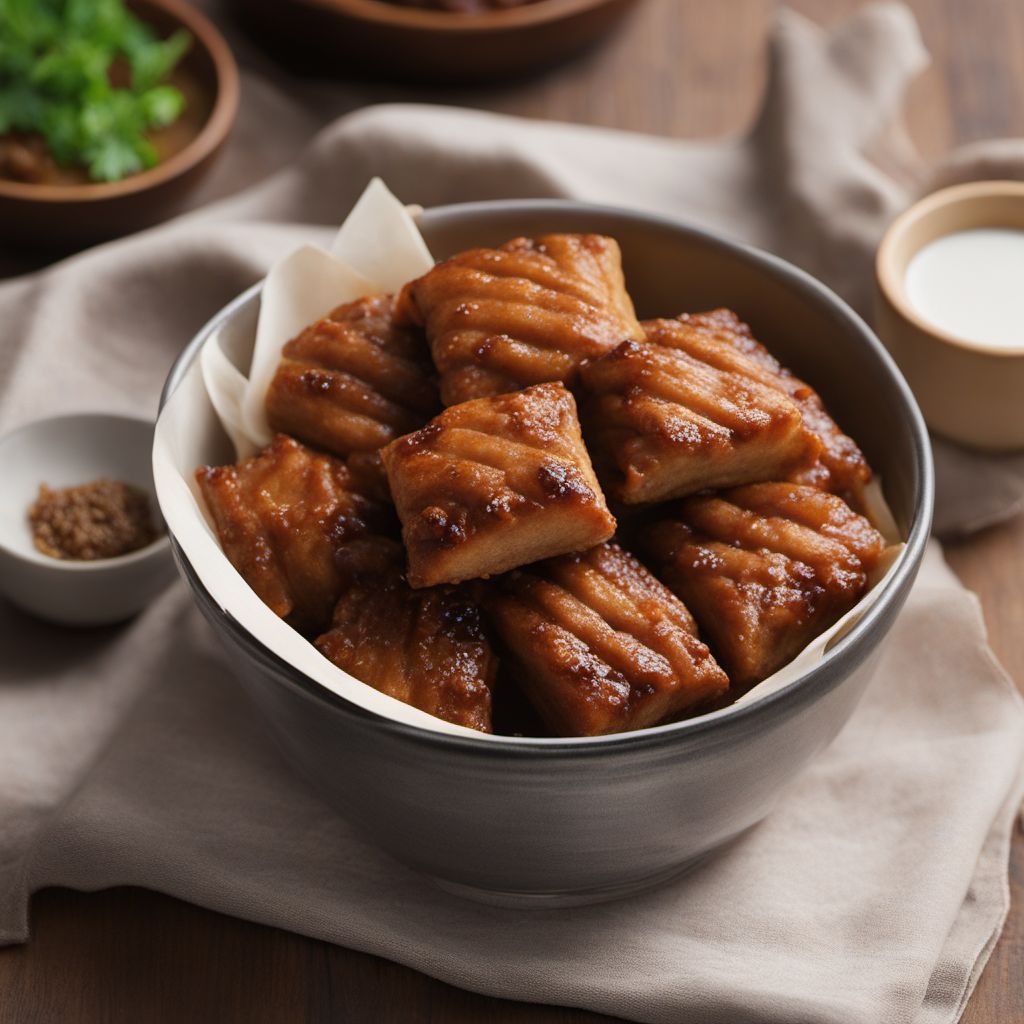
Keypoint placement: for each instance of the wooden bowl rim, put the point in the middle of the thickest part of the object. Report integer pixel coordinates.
(890, 271)
(213, 132)
(389, 15)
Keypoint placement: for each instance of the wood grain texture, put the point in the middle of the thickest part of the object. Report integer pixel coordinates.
(681, 68)
(990, 565)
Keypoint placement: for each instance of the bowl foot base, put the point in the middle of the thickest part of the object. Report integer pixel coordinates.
(550, 900)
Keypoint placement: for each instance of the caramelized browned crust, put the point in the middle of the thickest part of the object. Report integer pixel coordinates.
(424, 647)
(291, 524)
(721, 339)
(493, 484)
(353, 381)
(666, 424)
(603, 646)
(368, 477)
(764, 569)
(528, 312)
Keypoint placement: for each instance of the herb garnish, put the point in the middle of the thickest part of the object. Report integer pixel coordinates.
(57, 59)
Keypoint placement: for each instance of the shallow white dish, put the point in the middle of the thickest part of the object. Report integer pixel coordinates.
(61, 452)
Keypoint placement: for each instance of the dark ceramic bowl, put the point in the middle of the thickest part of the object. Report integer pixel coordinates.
(61, 217)
(378, 39)
(543, 821)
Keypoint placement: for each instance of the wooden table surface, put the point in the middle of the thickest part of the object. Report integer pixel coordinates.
(679, 67)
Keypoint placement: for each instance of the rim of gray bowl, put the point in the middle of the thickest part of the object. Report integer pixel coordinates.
(824, 675)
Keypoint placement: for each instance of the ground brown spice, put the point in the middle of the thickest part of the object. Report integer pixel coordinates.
(101, 519)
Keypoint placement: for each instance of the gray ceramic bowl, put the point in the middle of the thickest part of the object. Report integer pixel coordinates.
(542, 822)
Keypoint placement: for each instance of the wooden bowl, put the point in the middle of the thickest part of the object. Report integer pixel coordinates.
(383, 40)
(969, 391)
(64, 217)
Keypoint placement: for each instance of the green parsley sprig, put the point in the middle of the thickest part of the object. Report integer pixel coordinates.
(55, 80)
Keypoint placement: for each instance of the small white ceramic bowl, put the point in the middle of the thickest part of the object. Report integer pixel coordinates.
(62, 452)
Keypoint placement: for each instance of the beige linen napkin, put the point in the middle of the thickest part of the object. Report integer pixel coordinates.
(129, 756)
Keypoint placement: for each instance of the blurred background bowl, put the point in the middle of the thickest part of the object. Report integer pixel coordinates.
(378, 39)
(61, 217)
(542, 822)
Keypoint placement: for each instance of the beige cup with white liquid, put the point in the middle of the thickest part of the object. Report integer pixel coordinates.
(970, 388)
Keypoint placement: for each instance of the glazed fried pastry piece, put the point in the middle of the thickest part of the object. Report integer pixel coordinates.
(722, 340)
(493, 484)
(665, 425)
(368, 477)
(528, 312)
(764, 569)
(424, 647)
(291, 523)
(353, 381)
(602, 646)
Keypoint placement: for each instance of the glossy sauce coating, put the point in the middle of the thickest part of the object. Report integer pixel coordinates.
(764, 568)
(525, 313)
(353, 381)
(602, 646)
(666, 425)
(424, 647)
(493, 484)
(500, 506)
(292, 524)
(721, 339)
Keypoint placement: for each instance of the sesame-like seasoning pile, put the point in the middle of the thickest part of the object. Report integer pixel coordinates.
(102, 519)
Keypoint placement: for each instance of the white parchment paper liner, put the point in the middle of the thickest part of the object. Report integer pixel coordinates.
(216, 415)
